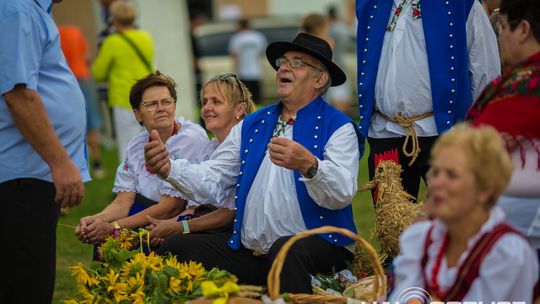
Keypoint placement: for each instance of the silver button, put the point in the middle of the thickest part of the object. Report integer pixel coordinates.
(330, 236)
(232, 242)
(365, 50)
(243, 162)
(371, 17)
(236, 197)
(452, 57)
(361, 84)
(335, 240)
(449, 13)
(453, 91)
(262, 121)
(321, 217)
(234, 232)
(250, 140)
(256, 130)
(237, 185)
(451, 24)
(453, 80)
(367, 38)
(360, 127)
(318, 117)
(360, 95)
(449, 112)
(240, 173)
(268, 113)
(362, 74)
(315, 136)
(246, 151)
(361, 117)
(375, 6)
(235, 220)
(451, 101)
(364, 62)
(451, 68)
(235, 208)
(361, 106)
(368, 27)
(451, 46)
(315, 146)
(446, 2)
(316, 127)
(448, 122)
(450, 36)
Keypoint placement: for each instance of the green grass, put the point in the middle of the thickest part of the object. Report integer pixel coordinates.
(98, 194)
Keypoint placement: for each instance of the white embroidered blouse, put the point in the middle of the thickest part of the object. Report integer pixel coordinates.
(132, 175)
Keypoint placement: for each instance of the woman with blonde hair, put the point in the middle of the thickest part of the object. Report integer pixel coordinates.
(225, 101)
(468, 252)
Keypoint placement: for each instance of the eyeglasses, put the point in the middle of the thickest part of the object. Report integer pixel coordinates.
(224, 77)
(151, 105)
(294, 63)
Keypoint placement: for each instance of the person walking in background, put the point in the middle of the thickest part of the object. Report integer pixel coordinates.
(420, 66)
(42, 157)
(341, 96)
(246, 48)
(124, 57)
(75, 49)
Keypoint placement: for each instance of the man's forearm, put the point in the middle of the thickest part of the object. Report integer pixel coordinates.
(30, 117)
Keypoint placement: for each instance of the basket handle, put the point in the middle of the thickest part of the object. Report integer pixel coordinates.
(277, 265)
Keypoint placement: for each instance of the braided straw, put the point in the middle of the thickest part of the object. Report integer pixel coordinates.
(274, 281)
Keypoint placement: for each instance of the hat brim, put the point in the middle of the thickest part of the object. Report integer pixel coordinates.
(276, 50)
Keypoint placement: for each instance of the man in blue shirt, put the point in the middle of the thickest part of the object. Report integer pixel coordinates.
(43, 161)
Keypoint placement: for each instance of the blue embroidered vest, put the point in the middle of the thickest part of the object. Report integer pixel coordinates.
(445, 34)
(315, 124)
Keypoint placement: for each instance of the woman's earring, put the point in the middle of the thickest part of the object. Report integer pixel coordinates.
(237, 117)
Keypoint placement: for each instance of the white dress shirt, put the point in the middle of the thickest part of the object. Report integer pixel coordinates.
(403, 82)
(507, 273)
(272, 209)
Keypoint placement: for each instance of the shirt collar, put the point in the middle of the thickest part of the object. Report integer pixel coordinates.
(45, 4)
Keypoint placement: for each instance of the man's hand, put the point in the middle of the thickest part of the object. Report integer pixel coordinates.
(289, 154)
(161, 229)
(156, 156)
(68, 184)
(31, 119)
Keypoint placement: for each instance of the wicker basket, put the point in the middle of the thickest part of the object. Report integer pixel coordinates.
(368, 289)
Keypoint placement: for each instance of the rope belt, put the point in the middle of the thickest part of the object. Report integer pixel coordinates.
(410, 132)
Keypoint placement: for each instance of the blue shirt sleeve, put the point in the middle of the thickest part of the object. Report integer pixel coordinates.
(21, 51)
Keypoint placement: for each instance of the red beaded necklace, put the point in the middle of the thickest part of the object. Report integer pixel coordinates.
(435, 288)
(174, 132)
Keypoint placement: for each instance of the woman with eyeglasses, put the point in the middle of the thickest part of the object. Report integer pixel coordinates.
(225, 101)
(139, 191)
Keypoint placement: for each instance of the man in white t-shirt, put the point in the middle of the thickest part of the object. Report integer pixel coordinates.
(247, 47)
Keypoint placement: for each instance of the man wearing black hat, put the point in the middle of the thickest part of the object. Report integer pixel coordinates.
(290, 167)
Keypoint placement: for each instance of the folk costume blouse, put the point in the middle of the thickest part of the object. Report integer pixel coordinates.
(132, 174)
(508, 272)
(403, 81)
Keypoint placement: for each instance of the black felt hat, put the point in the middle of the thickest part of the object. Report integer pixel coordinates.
(311, 45)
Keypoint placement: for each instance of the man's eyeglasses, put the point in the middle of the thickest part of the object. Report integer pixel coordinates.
(224, 77)
(294, 63)
(152, 105)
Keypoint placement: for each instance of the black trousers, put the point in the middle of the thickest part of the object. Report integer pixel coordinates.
(411, 175)
(307, 256)
(28, 238)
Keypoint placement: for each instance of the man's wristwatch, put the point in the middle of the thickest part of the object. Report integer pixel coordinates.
(312, 171)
